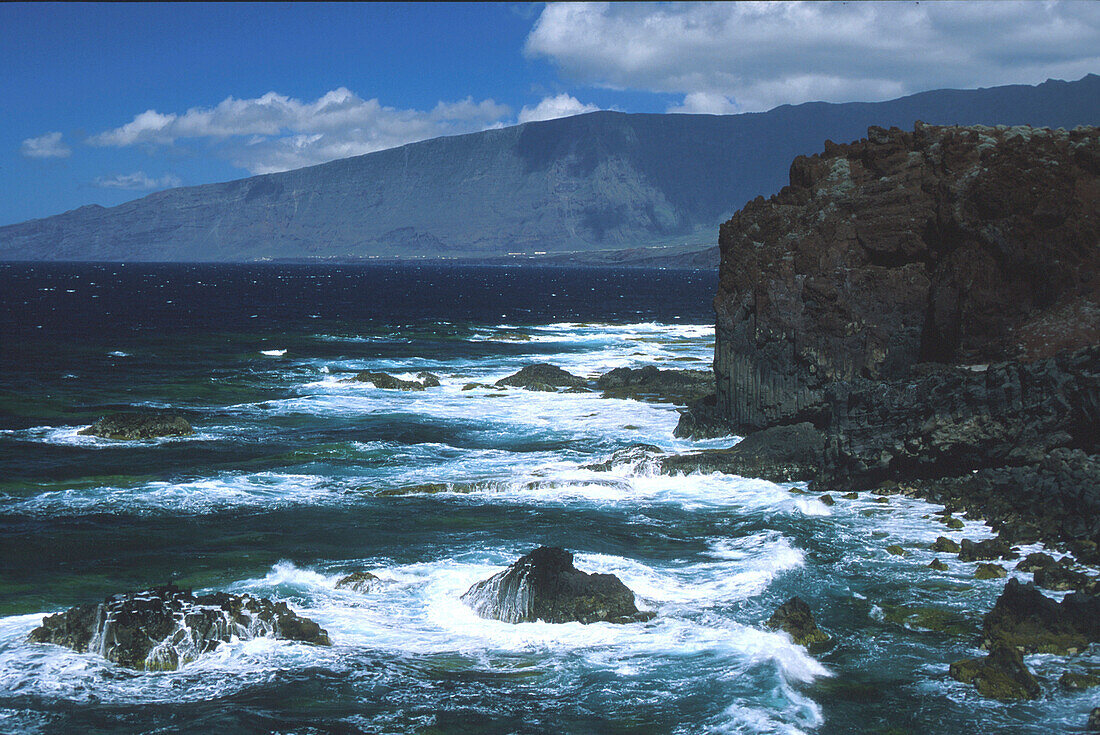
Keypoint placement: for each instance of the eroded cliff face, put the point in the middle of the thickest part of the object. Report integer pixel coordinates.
(958, 245)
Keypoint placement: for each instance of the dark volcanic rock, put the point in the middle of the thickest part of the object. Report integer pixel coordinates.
(944, 544)
(133, 426)
(958, 245)
(1031, 622)
(544, 585)
(542, 376)
(658, 386)
(386, 381)
(165, 627)
(988, 550)
(780, 454)
(1094, 720)
(930, 300)
(1035, 561)
(794, 617)
(639, 456)
(1062, 577)
(357, 581)
(428, 380)
(1000, 675)
(701, 420)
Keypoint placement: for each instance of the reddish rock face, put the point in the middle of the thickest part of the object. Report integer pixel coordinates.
(963, 245)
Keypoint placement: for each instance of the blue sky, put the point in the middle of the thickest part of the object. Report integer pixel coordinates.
(103, 103)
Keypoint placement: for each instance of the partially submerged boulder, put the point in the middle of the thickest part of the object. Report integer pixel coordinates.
(544, 585)
(386, 381)
(165, 627)
(945, 545)
(428, 380)
(357, 582)
(134, 426)
(1029, 621)
(1062, 577)
(1034, 562)
(791, 453)
(658, 386)
(542, 376)
(638, 456)
(1000, 675)
(988, 550)
(794, 617)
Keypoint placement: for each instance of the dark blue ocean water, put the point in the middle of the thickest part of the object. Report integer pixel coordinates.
(295, 478)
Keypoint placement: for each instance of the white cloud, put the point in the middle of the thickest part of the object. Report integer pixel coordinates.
(49, 145)
(737, 57)
(276, 133)
(550, 108)
(137, 181)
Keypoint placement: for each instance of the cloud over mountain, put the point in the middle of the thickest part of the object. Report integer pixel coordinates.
(738, 57)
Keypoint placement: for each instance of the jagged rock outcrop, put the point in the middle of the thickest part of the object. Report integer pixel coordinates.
(541, 376)
(794, 617)
(659, 386)
(166, 627)
(135, 426)
(1029, 621)
(780, 454)
(1001, 674)
(957, 245)
(544, 585)
(389, 382)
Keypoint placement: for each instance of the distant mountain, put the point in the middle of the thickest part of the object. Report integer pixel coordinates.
(597, 182)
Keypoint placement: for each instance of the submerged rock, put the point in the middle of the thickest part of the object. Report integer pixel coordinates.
(780, 454)
(1093, 724)
(1000, 675)
(166, 627)
(659, 386)
(357, 582)
(639, 456)
(133, 426)
(428, 380)
(1031, 622)
(542, 376)
(544, 585)
(386, 381)
(794, 617)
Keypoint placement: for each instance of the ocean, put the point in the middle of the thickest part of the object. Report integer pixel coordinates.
(296, 477)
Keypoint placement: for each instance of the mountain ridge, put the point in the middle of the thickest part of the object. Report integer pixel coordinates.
(594, 182)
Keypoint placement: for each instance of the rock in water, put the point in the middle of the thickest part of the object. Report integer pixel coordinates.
(428, 380)
(541, 375)
(166, 627)
(658, 386)
(794, 617)
(1027, 620)
(133, 426)
(779, 454)
(544, 585)
(386, 381)
(1000, 675)
(358, 581)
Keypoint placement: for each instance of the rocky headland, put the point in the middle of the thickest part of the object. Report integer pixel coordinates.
(925, 307)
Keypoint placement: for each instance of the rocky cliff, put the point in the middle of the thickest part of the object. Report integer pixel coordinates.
(927, 304)
(958, 245)
(600, 182)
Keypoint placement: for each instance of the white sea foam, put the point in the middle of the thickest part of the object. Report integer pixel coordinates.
(273, 353)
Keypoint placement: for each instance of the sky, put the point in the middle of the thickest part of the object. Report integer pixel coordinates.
(104, 103)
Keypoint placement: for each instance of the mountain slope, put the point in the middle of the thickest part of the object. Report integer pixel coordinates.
(599, 181)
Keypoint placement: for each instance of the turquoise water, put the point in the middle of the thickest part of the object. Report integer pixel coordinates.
(295, 478)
